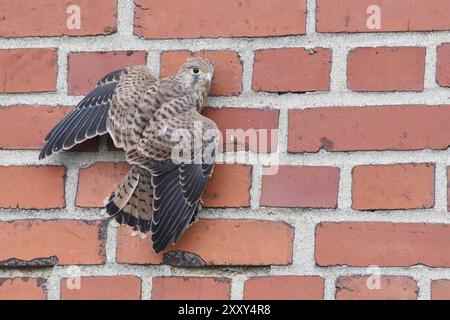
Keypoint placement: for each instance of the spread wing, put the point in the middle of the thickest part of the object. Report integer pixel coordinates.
(89, 118)
(177, 191)
(177, 186)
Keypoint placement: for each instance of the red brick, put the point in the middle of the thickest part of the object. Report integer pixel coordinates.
(97, 181)
(229, 186)
(27, 70)
(213, 19)
(26, 126)
(390, 288)
(191, 288)
(67, 241)
(386, 69)
(402, 186)
(247, 242)
(23, 289)
(227, 79)
(101, 288)
(396, 15)
(440, 289)
(38, 187)
(284, 288)
(87, 68)
(134, 250)
(382, 244)
(443, 65)
(408, 127)
(255, 120)
(292, 70)
(301, 186)
(24, 18)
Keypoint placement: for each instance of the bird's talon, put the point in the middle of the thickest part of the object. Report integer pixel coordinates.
(142, 235)
(115, 224)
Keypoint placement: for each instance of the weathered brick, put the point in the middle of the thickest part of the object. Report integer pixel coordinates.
(213, 19)
(402, 186)
(301, 186)
(23, 289)
(217, 242)
(382, 244)
(45, 18)
(97, 181)
(292, 70)
(284, 288)
(259, 126)
(27, 70)
(50, 242)
(443, 65)
(227, 79)
(229, 186)
(101, 288)
(440, 289)
(87, 68)
(26, 187)
(396, 15)
(368, 288)
(386, 69)
(191, 288)
(408, 127)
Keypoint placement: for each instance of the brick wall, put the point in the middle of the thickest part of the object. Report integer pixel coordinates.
(363, 123)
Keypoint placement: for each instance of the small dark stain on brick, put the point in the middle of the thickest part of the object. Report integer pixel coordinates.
(222, 280)
(41, 282)
(38, 262)
(110, 30)
(103, 230)
(213, 195)
(183, 259)
(347, 20)
(326, 144)
(103, 236)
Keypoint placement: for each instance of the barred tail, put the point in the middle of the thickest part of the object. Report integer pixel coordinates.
(131, 202)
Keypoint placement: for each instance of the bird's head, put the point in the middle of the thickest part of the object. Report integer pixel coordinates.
(197, 74)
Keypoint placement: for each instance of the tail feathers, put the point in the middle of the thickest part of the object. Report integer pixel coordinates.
(131, 201)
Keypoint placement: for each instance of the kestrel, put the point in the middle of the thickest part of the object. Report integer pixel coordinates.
(143, 114)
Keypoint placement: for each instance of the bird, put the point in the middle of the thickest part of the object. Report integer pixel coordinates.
(170, 146)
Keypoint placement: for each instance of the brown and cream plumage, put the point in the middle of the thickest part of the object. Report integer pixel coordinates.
(142, 114)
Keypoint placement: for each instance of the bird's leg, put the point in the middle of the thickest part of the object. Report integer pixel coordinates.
(134, 231)
(142, 235)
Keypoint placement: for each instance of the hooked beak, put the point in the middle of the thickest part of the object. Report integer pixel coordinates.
(208, 77)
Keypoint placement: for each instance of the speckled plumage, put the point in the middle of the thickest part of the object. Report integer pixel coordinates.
(141, 113)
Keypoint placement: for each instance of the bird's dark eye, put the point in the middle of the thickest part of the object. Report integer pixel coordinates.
(196, 70)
